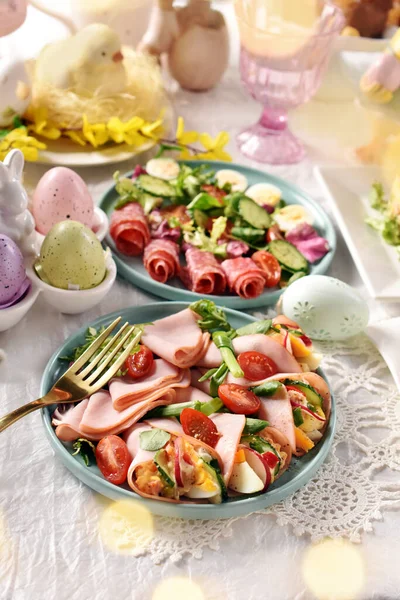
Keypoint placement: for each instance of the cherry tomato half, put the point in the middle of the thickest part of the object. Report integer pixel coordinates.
(199, 426)
(140, 363)
(113, 459)
(239, 399)
(256, 366)
(274, 233)
(270, 267)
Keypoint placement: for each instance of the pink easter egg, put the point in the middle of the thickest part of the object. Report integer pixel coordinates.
(61, 195)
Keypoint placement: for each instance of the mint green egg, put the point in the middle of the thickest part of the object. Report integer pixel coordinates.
(325, 308)
(72, 257)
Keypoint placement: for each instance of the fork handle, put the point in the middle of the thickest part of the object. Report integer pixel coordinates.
(20, 412)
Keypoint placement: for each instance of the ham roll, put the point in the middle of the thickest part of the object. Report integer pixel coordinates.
(161, 259)
(244, 277)
(129, 229)
(204, 273)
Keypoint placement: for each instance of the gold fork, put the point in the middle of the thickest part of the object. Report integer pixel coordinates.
(80, 381)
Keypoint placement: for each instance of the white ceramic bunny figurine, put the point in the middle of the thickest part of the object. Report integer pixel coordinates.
(15, 219)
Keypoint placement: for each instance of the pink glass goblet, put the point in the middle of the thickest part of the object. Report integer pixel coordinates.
(282, 60)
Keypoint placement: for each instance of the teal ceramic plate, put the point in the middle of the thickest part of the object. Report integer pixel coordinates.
(133, 269)
(298, 474)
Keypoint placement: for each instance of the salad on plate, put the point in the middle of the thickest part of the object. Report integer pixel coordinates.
(211, 230)
(202, 412)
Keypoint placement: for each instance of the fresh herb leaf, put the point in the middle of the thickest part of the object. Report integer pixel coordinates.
(86, 449)
(155, 439)
(204, 201)
(212, 317)
(377, 197)
(254, 426)
(257, 327)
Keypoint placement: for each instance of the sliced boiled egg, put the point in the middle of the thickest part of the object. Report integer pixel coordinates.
(264, 193)
(237, 181)
(244, 479)
(207, 489)
(292, 215)
(163, 168)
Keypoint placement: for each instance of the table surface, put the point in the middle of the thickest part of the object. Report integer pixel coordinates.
(49, 546)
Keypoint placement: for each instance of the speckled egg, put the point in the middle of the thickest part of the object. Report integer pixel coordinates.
(61, 194)
(12, 271)
(325, 308)
(72, 257)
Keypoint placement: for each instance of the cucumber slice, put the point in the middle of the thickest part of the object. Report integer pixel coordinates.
(288, 256)
(313, 397)
(297, 416)
(254, 214)
(161, 461)
(254, 426)
(214, 470)
(155, 186)
(248, 234)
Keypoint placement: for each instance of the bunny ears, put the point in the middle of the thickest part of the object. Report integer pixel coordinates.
(13, 166)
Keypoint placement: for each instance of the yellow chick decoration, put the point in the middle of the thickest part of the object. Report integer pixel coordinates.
(89, 79)
(88, 63)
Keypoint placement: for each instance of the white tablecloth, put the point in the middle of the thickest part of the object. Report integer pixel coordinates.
(49, 540)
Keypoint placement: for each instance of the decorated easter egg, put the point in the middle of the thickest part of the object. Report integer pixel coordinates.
(325, 308)
(61, 194)
(12, 271)
(71, 257)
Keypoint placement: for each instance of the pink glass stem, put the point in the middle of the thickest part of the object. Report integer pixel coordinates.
(273, 119)
(270, 140)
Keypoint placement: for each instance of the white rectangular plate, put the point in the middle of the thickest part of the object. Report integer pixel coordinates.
(347, 189)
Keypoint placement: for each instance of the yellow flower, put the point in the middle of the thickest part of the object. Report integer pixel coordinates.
(40, 125)
(185, 137)
(126, 132)
(215, 148)
(18, 138)
(152, 130)
(96, 134)
(185, 154)
(75, 136)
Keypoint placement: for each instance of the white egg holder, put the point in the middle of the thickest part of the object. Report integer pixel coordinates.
(70, 302)
(99, 227)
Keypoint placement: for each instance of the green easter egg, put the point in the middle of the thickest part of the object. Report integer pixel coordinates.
(72, 257)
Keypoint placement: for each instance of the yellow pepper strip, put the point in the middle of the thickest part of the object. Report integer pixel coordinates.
(302, 441)
(240, 456)
(300, 350)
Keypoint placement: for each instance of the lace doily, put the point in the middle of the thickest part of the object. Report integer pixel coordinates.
(360, 478)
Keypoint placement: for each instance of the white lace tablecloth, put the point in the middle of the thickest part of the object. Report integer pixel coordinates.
(51, 544)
